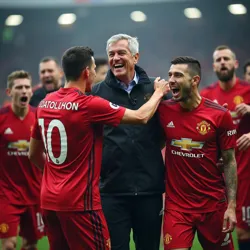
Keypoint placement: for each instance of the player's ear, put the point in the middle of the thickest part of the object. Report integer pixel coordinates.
(136, 58)
(214, 67)
(61, 73)
(8, 92)
(236, 64)
(196, 80)
(85, 73)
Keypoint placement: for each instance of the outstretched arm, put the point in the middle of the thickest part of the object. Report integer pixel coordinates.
(145, 112)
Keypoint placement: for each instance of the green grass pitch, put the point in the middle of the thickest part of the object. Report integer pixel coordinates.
(43, 244)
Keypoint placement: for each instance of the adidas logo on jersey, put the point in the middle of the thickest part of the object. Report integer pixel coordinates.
(8, 131)
(171, 125)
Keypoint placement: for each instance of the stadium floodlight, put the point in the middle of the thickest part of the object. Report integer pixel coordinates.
(67, 19)
(237, 9)
(192, 13)
(14, 20)
(138, 16)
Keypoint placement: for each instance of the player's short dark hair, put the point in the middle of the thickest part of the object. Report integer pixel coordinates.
(193, 64)
(100, 62)
(223, 47)
(75, 60)
(48, 59)
(19, 74)
(247, 64)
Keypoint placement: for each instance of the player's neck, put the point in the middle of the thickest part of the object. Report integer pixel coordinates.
(229, 84)
(20, 112)
(192, 102)
(77, 85)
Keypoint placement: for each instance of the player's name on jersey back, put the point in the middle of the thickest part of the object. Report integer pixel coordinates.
(59, 105)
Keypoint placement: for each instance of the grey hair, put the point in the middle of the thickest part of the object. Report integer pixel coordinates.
(133, 43)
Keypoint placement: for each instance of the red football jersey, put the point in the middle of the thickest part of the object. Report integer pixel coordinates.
(19, 180)
(240, 93)
(193, 142)
(70, 124)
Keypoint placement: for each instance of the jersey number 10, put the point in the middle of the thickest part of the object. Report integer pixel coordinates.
(246, 213)
(47, 140)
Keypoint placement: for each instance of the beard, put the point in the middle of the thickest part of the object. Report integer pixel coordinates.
(51, 85)
(225, 77)
(185, 94)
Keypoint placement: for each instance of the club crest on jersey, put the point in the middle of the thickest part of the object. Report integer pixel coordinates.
(238, 100)
(203, 127)
(167, 238)
(4, 228)
(114, 106)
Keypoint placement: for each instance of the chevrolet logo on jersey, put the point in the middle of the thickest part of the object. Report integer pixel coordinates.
(21, 145)
(187, 144)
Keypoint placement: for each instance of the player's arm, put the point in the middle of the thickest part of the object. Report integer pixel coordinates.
(230, 175)
(36, 150)
(227, 142)
(230, 172)
(36, 153)
(145, 112)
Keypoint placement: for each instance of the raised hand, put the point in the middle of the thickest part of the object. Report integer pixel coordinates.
(243, 142)
(242, 109)
(162, 85)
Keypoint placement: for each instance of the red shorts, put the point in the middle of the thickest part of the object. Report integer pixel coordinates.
(76, 230)
(27, 217)
(243, 204)
(179, 230)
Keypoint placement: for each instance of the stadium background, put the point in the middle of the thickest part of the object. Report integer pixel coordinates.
(165, 33)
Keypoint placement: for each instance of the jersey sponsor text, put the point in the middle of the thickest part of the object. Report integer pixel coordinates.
(231, 132)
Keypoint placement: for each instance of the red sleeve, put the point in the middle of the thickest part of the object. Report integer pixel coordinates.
(103, 111)
(35, 133)
(227, 132)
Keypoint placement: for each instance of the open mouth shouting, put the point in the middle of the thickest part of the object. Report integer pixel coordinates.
(48, 80)
(24, 100)
(175, 92)
(224, 70)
